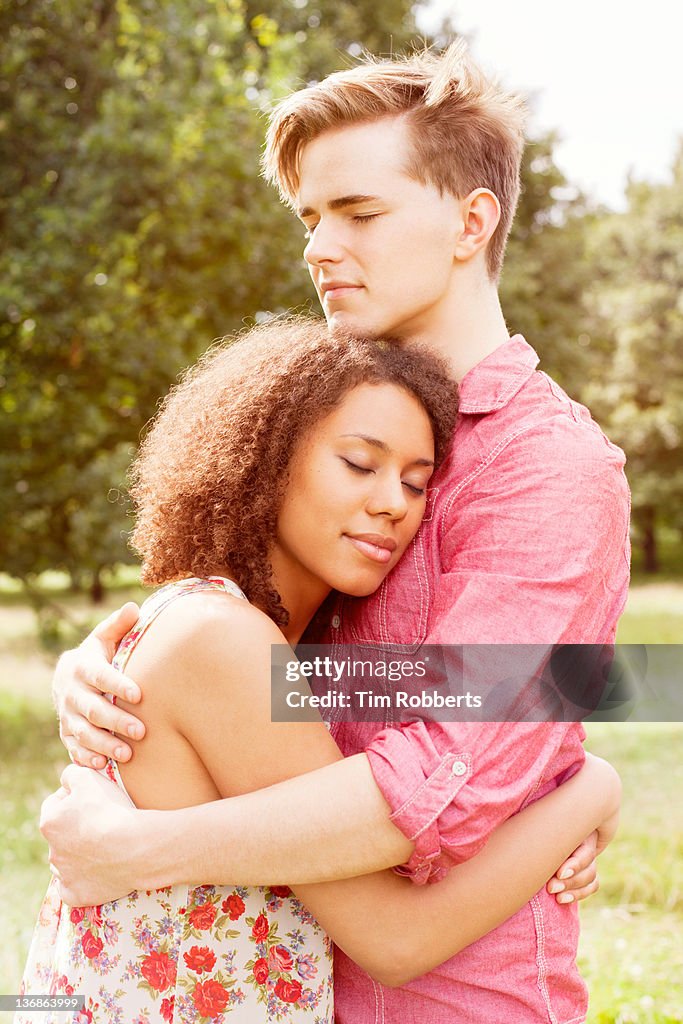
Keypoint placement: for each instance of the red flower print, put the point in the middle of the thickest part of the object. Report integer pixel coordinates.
(204, 916)
(200, 958)
(92, 947)
(233, 906)
(279, 958)
(280, 890)
(260, 929)
(159, 970)
(210, 998)
(166, 1009)
(94, 915)
(261, 970)
(77, 914)
(288, 991)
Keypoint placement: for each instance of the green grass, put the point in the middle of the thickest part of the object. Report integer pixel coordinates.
(31, 759)
(631, 950)
(654, 614)
(632, 931)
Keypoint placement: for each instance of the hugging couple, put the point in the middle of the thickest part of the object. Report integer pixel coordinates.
(335, 480)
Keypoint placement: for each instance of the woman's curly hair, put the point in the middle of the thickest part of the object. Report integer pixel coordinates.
(210, 476)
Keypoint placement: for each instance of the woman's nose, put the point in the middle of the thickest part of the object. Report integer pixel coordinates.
(388, 497)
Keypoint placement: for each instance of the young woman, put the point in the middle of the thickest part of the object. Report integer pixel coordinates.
(283, 467)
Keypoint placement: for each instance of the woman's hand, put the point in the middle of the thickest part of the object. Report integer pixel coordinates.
(82, 677)
(577, 877)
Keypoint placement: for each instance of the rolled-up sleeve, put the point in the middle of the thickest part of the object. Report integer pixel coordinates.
(449, 785)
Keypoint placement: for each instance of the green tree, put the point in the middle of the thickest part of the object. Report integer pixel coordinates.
(549, 271)
(638, 294)
(135, 229)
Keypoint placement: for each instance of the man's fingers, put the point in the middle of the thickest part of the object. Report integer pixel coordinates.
(82, 757)
(93, 709)
(101, 676)
(70, 777)
(89, 746)
(113, 629)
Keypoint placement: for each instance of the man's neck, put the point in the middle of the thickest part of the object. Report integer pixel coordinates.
(467, 329)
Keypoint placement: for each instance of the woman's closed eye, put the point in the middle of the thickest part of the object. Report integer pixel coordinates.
(356, 468)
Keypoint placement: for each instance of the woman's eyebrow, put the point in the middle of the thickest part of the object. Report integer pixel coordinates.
(383, 446)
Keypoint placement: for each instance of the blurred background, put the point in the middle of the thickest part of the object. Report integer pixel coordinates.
(135, 229)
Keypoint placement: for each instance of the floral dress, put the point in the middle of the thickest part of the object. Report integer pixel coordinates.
(184, 954)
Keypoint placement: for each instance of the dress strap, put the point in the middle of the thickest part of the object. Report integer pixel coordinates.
(159, 600)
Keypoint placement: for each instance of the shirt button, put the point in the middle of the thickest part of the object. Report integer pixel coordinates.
(459, 768)
(336, 622)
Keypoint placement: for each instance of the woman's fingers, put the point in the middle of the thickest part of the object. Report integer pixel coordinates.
(581, 892)
(577, 877)
(581, 858)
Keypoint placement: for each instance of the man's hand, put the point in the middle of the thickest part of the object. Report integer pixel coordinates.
(87, 824)
(82, 677)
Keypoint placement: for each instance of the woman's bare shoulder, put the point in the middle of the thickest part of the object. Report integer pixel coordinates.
(210, 635)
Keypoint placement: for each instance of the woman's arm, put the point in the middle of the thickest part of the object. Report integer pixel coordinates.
(397, 931)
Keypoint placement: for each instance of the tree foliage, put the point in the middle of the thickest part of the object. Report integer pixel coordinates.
(638, 296)
(135, 228)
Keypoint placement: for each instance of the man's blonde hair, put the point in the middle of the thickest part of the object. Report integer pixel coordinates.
(466, 131)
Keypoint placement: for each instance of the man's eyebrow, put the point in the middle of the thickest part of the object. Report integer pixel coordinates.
(376, 443)
(339, 204)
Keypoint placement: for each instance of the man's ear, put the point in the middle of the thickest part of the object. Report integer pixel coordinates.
(480, 215)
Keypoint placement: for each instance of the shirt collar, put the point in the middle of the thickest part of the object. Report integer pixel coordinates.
(491, 384)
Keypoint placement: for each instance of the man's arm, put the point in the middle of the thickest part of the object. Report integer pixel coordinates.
(243, 840)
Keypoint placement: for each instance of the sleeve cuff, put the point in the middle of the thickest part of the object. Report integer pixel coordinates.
(398, 771)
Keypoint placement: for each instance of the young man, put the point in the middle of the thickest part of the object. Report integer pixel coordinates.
(406, 177)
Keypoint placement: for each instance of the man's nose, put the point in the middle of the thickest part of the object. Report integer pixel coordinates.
(323, 246)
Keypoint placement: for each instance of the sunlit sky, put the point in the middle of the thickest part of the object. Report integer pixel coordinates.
(607, 75)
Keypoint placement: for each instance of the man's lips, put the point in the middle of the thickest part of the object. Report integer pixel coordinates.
(373, 545)
(337, 289)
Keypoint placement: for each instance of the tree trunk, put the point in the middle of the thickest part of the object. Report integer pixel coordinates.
(96, 588)
(649, 542)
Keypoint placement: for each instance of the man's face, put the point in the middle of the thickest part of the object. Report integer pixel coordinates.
(381, 245)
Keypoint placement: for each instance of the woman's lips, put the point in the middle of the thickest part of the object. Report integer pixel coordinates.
(377, 549)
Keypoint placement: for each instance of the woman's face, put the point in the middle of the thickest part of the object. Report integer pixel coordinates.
(356, 495)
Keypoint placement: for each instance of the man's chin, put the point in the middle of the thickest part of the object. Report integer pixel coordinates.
(341, 326)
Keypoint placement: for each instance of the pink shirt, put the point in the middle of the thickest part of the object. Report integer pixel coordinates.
(525, 540)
